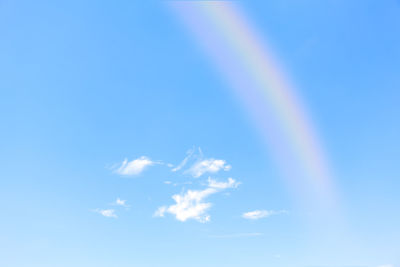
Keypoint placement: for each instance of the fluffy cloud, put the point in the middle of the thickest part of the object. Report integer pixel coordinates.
(135, 166)
(107, 213)
(258, 214)
(191, 204)
(208, 165)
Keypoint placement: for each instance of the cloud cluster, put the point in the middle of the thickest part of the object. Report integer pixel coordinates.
(191, 204)
(258, 214)
(200, 165)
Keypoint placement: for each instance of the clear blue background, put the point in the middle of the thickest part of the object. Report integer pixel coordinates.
(85, 84)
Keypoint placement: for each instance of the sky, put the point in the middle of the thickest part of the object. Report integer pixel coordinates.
(200, 133)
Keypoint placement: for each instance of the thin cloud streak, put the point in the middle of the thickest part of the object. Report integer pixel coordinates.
(184, 161)
(258, 214)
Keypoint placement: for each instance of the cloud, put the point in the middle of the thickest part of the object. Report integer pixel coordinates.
(120, 202)
(258, 214)
(386, 265)
(189, 154)
(107, 213)
(231, 183)
(135, 166)
(201, 165)
(208, 165)
(160, 211)
(191, 204)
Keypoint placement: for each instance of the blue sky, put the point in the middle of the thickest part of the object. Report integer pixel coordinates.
(87, 84)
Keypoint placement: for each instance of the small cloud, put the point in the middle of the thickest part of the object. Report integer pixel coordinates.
(160, 211)
(120, 202)
(258, 214)
(189, 154)
(107, 213)
(386, 265)
(231, 183)
(135, 166)
(191, 204)
(208, 165)
(167, 182)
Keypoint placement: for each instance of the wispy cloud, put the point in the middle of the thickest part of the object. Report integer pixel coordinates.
(258, 214)
(135, 166)
(208, 166)
(191, 204)
(231, 183)
(189, 154)
(107, 212)
(201, 165)
(120, 202)
(386, 265)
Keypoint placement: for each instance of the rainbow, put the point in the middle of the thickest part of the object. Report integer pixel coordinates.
(247, 63)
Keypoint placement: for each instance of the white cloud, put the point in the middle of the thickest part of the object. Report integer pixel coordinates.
(107, 213)
(258, 214)
(231, 183)
(189, 154)
(208, 165)
(191, 204)
(201, 165)
(120, 202)
(135, 166)
(386, 265)
(160, 211)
